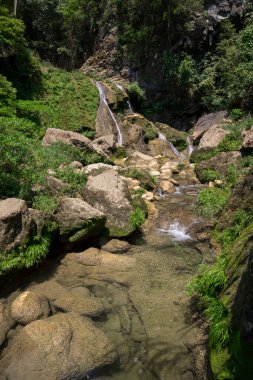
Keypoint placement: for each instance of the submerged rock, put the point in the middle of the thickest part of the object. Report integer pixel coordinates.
(108, 193)
(63, 347)
(78, 220)
(89, 306)
(116, 246)
(28, 307)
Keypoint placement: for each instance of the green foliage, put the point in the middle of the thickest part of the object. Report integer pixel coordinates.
(45, 203)
(207, 175)
(236, 114)
(210, 280)
(239, 221)
(11, 33)
(203, 155)
(217, 315)
(136, 94)
(7, 97)
(71, 100)
(211, 201)
(75, 181)
(29, 254)
(138, 217)
(231, 142)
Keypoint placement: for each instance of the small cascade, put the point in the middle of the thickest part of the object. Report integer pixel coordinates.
(128, 102)
(190, 146)
(161, 136)
(176, 231)
(104, 101)
(178, 190)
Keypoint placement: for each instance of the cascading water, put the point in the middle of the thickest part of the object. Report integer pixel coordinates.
(176, 231)
(161, 136)
(128, 102)
(104, 101)
(190, 146)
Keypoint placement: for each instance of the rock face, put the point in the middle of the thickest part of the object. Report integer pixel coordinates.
(62, 347)
(213, 137)
(109, 193)
(161, 147)
(54, 135)
(28, 307)
(248, 139)
(105, 143)
(89, 307)
(205, 122)
(78, 220)
(14, 223)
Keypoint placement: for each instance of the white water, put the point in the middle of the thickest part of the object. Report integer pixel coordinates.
(128, 102)
(176, 231)
(161, 136)
(178, 190)
(190, 146)
(104, 101)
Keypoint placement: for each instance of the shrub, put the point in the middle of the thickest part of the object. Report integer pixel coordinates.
(236, 114)
(137, 217)
(44, 202)
(7, 97)
(211, 201)
(136, 94)
(207, 175)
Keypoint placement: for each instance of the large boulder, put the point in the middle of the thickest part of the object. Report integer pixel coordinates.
(248, 139)
(142, 161)
(55, 135)
(109, 193)
(63, 347)
(29, 307)
(213, 137)
(78, 220)
(205, 122)
(14, 223)
(6, 322)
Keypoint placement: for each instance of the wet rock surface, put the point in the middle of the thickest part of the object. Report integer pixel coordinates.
(28, 307)
(64, 346)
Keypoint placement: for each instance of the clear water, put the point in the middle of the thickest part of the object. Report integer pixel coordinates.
(148, 316)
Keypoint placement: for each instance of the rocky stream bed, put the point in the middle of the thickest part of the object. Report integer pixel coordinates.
(142, 323)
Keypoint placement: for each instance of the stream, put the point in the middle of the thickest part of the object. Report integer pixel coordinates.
(147, 310)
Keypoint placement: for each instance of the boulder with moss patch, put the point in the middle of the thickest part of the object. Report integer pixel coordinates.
(78, 220)
(108, 193)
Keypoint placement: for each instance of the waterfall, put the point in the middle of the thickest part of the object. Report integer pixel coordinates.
(128, 102)
(161, 136)
(104, 101)
(190, 146)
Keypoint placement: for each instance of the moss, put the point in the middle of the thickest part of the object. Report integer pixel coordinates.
(31, 252)
(85, 230)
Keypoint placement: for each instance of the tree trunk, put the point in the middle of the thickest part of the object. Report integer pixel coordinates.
(15, 8)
